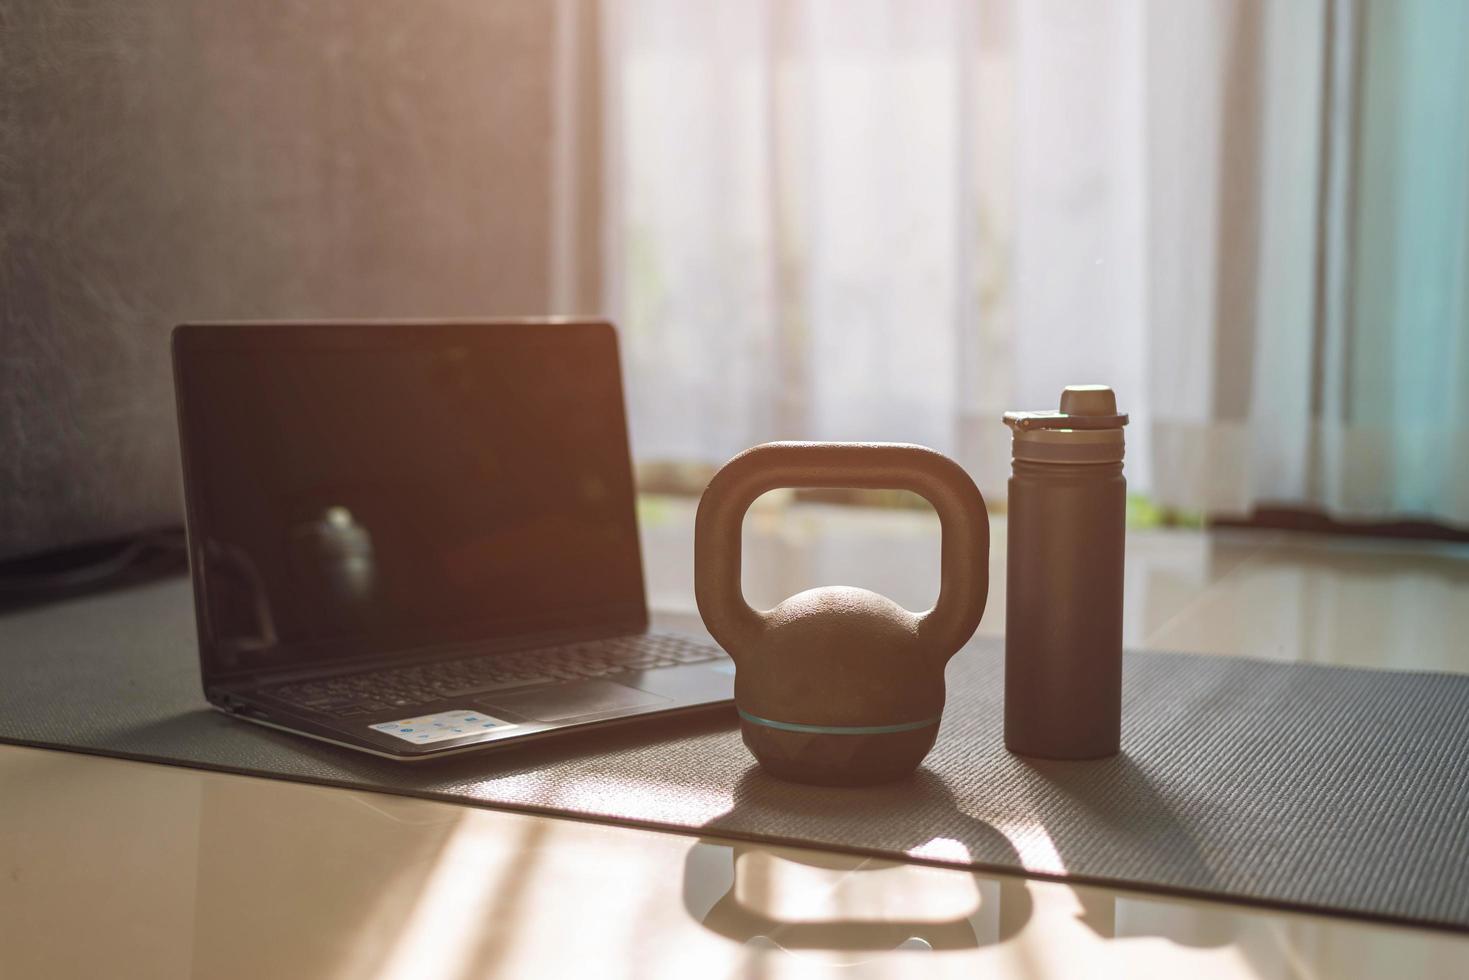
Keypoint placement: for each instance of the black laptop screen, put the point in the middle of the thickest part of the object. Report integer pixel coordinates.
(355, 491)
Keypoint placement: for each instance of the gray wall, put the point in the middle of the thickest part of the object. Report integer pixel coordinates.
(163, 160)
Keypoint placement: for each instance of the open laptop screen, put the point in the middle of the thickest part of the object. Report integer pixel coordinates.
(355, 490)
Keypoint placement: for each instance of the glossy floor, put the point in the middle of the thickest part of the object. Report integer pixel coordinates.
(112, 868)
(123, 869)
(1269, 594)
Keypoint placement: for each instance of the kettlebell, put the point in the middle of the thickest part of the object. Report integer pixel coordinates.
(839, 685)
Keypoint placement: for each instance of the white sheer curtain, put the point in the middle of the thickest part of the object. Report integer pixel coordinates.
(874, 219)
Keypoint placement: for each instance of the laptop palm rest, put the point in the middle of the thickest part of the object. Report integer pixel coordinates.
(566, 701)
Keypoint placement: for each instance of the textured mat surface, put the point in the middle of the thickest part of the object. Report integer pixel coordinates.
(1318, 787)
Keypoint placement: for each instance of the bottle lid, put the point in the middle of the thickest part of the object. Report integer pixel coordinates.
(1082, 407)
(1086, 429)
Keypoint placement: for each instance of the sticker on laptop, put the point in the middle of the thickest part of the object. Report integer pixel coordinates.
(441, 726)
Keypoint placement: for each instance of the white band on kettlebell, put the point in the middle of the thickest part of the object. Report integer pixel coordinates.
(790, 726)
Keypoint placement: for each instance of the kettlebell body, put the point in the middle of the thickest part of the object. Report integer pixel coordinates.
(840, 685)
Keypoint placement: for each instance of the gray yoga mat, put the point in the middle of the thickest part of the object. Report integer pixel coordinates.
(1324, 788)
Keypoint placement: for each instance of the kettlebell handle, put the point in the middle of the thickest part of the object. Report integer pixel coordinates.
(964, 554)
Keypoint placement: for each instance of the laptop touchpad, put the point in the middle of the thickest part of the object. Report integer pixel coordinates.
(574, 700)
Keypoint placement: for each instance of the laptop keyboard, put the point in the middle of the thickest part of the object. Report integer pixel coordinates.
(406, 687)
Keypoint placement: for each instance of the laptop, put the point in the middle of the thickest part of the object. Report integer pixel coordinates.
(418, 539)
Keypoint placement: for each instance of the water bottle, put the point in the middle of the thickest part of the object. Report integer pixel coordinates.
(1063, 615)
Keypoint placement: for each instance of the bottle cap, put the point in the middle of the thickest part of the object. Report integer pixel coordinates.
(1087, 429)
